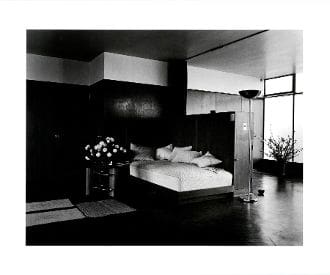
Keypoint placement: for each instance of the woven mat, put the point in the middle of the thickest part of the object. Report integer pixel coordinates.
(95, 209)
(48, 205)
(45, 212)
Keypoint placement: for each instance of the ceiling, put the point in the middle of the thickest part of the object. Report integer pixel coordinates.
(153, 44)
(247, 52)
(265, 55)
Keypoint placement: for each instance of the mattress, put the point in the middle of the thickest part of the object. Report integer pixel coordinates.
(180, 177)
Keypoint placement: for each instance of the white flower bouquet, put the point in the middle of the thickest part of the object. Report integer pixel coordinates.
(105, 151)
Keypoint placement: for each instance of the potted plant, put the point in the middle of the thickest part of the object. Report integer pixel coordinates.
(282, 149)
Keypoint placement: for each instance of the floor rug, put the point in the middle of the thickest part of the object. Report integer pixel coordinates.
(47, 205)
(95, 209)
(53, 216)
(45, 212)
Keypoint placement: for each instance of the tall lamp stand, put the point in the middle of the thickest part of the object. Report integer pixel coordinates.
(249, 197)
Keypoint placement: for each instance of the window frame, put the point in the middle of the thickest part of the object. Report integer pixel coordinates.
(292, 93)
(280, 93)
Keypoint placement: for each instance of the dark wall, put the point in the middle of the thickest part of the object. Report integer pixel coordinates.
(57, 125)
(208, 132)
(126, 100)
(119, 107)
(62, 118)
(177, 83)
(141, 111)
(202, 102)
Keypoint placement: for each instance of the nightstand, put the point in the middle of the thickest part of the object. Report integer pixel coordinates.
(105, 181)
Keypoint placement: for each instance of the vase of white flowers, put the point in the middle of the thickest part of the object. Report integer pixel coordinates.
(105, 151)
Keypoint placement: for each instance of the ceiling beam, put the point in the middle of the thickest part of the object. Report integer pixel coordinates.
(225, 45)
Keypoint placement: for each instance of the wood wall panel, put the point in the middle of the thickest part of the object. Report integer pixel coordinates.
(124, 100)
(258, 109)
(227, 103)
(216, 133)
(202, 102)
(184, 132)
(244, 104)
(155, 133)
(116, 104)
(131, 112)
(177, 83)
(57, 129)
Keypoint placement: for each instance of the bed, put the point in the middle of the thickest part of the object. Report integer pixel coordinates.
(222, 134)
(180, 177)
(180, 183)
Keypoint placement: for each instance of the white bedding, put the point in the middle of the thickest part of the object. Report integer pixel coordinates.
(180, 176)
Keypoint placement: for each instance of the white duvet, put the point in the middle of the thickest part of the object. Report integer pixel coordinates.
(180, 176)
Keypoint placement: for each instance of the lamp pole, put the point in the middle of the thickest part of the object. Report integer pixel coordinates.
(249, 197)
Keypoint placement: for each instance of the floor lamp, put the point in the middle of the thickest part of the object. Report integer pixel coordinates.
(249, 94)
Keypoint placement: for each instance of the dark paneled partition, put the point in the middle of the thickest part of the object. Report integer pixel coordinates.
(225, 135)
(57, 126)
(119, 108)
(123, 109)
(177, 83)
(203, 102)
(208, 132)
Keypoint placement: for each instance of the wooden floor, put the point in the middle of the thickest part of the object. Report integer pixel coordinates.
(276, 219)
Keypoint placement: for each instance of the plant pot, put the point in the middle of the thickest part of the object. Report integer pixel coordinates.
(281, 168)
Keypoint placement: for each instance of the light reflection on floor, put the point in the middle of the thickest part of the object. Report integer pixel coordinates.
(279, 212)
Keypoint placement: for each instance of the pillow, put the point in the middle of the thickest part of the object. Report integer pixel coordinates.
(186, 148)
(142, 152)
(206, 160)
(185, 156)
(176, 149)
(164, 153)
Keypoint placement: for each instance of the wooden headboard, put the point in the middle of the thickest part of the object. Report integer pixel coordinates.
(209, 132)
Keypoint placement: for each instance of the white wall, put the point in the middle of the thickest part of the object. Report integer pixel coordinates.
(217, 81)
(104, 66)
(132, 69)
(53, 69)
(96, 69)
(135, 69)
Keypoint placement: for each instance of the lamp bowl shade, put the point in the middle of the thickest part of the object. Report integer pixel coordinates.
(249, 93)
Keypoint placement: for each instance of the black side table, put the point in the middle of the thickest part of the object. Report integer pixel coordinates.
(103, 180)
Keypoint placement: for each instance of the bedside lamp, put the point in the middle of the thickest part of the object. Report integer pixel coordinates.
(249, 94)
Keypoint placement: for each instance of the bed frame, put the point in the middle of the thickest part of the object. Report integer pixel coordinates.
(225, 135)
(145, 193)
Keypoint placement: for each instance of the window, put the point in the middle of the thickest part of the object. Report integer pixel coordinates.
(298, 125)
(279, 85)
(284, 110)
(278, 117)
(299, 83)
